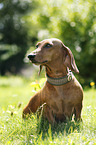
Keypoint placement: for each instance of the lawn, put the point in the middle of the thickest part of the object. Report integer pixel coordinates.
(15, 92)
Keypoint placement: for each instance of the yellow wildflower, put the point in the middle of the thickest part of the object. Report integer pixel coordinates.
(92, 84)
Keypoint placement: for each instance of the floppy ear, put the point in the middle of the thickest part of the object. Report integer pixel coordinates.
(41, 66)
(69, 60)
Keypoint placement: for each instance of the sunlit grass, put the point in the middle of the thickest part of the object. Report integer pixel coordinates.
(15, 92)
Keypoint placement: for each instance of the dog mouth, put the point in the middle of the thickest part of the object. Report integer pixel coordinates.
(37, 62)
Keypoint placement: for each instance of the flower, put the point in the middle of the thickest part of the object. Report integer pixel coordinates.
(92, 84)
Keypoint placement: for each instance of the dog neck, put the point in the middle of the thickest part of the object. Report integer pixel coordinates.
(56, 70)
(58, 74)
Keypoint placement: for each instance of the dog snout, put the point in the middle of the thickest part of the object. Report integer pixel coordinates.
(31, 56)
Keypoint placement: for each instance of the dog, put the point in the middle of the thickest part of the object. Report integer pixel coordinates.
(62, 94)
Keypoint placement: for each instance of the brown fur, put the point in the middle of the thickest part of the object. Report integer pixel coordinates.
(61, 101)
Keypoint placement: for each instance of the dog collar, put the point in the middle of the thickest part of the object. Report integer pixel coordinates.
(59, 81)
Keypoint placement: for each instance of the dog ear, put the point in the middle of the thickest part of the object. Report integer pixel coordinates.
(69, 60)
(41, 66)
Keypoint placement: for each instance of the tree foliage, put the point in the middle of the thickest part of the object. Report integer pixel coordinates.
(13, 33)
(24, 22)
(74, 22)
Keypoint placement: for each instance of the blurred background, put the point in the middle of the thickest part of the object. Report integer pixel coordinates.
(25, 22)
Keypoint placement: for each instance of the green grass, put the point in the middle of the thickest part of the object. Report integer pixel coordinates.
(16, 91)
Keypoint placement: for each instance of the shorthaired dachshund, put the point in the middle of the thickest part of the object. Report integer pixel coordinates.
(62, 94)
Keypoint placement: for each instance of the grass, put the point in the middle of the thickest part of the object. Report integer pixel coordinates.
(15, 92)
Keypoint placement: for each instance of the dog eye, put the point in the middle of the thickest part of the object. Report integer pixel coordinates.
(48, 45)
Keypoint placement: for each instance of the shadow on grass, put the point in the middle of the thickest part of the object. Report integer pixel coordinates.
(46, 128)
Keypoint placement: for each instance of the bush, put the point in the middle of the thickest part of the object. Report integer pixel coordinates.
(14, 37)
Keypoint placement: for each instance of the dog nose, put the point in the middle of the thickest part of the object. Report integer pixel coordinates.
(31, 56)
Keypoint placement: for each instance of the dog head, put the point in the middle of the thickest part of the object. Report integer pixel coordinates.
(50, 50)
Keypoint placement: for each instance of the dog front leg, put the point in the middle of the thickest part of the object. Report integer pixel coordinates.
(49, 114)
(33, 105)
(78, 109)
